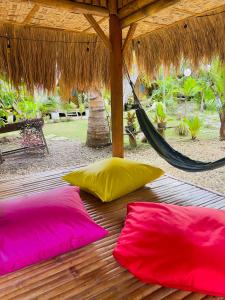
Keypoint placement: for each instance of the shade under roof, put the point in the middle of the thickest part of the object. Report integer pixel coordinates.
(43, 42)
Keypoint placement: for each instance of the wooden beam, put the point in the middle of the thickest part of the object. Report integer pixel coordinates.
(99, 31)
(99, 22)
(31, 14)
(74, 7)
(132, 7)
(146, 11)
(129, 36)
(115, 34)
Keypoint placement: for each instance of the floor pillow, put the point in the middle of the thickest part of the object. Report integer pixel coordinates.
(174, 246)
(112, 178)
(40, 226)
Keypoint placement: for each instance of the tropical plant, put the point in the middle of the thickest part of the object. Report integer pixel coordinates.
(190, 87)
(194, 125)
(131, 127)
(81, 109)
(160, 113)
(206, 95)
(164, 90)
(182, 128)
(50, 105)
(7, 98)
(17, 102)
(217, 76)
(160, 117)
(26, 107)
(131, 120)
(3, 115)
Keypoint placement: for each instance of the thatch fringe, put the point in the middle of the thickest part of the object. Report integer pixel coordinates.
(197, 40)
(40, 58)
(43, 58)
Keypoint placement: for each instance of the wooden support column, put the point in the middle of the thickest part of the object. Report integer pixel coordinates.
(115, 34)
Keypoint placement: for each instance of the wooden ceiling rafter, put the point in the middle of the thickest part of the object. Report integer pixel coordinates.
(99, 31)
(129, 36)
(99, 23)
(31, 14)
(75, 7)
(133, 6)
(146, 11)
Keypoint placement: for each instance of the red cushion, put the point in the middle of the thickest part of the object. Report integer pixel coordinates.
(174, 246)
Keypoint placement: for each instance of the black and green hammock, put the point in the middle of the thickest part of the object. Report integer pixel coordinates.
(173, 157)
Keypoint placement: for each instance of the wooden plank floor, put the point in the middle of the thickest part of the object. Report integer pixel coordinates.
(92, 272)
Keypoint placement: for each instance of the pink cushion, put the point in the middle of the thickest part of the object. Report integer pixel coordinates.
(37, 227)
(177, 247)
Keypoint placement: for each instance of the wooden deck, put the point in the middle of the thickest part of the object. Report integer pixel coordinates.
(92, 272)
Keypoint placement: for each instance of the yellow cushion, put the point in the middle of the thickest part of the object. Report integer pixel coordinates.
(112, 178)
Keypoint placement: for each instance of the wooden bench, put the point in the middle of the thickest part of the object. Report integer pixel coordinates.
(92, 272)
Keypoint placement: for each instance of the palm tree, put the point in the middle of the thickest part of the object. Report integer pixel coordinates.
(98, 134)
(217, 76)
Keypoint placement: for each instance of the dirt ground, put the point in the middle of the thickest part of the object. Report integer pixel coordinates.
(65, 153)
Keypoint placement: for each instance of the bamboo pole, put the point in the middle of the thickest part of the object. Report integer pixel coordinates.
(115, 33)
(70, 6)
(146, 11)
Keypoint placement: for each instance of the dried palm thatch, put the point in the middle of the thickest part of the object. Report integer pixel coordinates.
(197, 40)
(42, 58)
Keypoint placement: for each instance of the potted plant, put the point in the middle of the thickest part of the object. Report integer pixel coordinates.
(160, 117)
(182, 128)
(194, 125)
(130, 128)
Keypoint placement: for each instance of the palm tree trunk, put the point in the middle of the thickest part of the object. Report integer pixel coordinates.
(222, 125)
(98, 134)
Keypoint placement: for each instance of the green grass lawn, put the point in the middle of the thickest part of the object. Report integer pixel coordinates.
(76, 130)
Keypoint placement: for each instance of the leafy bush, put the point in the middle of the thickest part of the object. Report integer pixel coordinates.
(27, 108)
(7, 99)
(190, 87)
(182, 129)
(160, 114)
(164, 90)
(194, 125)
(131, 120)
(50, 105)
(3, 115)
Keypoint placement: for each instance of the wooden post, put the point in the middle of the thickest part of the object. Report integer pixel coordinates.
(115, 34)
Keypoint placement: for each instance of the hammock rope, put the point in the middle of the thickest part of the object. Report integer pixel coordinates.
(160, 145)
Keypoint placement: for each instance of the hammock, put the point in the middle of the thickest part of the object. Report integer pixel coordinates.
(173, 157)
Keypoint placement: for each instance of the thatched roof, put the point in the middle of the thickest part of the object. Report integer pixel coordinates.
(43, 41)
